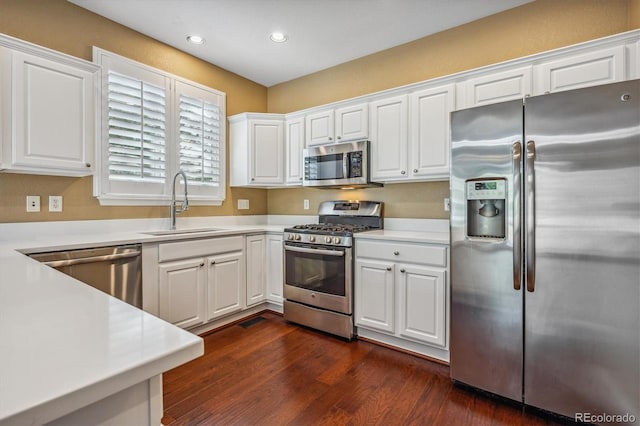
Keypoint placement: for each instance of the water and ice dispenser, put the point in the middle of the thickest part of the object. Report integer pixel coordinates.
(486, 199)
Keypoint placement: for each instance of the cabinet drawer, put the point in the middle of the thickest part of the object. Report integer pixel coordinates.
(403, 252)
(187, 249)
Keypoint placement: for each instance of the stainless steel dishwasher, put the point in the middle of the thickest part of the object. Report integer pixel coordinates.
(115, 270)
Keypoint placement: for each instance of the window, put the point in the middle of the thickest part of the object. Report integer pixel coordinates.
(154, 124)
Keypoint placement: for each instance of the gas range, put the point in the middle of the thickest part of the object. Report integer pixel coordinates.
(318, 265)
(339, 220)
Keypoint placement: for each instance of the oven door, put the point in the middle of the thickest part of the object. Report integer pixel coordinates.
(319, 276)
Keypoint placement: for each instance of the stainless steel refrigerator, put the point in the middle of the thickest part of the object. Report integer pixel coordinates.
(545, 251)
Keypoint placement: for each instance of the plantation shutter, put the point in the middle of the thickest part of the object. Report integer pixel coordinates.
(136, 130)
(200, 140)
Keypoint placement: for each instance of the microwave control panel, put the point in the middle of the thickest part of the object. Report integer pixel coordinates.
(355, 164)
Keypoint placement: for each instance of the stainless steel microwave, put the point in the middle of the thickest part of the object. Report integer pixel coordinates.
(343, 165)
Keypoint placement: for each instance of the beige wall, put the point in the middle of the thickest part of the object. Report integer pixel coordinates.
(532, 28)
(65, 27)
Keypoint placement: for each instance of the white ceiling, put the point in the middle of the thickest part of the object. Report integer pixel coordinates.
(322, 33)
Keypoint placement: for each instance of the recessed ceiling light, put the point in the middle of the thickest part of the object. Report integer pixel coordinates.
(195, 39)
(278, 37)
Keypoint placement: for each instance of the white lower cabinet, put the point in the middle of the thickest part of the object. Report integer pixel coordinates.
(275, 265)
(401, 290)
(225, 273)
(182, 292)
(256, 269)
(200, 280)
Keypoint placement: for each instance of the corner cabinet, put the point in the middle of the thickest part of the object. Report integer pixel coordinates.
(256, 143)
(48, 110)
(401, 292)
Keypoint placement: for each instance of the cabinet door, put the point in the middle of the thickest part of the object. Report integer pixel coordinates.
(589, 69)
(225, 284)
(181, 292)
(267, 157)
(374, 295)
(498, 87)
(52, 116)
(422, 304)
(319, 128)
(352, 123)
(429, 140)
(389, 138)
(294, 144)
(275, 277)
(256, 266)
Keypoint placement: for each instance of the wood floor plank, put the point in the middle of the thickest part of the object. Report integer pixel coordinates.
(277, 373)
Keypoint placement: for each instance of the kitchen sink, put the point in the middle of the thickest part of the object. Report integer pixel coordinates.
(182, 231)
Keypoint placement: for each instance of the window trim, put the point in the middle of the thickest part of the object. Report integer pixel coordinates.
(161, 193)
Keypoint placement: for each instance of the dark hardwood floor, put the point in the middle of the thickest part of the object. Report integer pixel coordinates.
(276, 373)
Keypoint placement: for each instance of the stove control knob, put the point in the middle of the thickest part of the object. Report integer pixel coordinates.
(327, 240)
(297, 237)
(312, 238)
(290, 237)
(337, 240)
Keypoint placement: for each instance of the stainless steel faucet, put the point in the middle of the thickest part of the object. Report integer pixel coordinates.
(185, 202)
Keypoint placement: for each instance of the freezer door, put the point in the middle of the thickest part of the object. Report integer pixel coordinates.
(582, 304)
(486, 299)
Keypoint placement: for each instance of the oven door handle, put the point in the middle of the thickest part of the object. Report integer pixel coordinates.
(315, 251)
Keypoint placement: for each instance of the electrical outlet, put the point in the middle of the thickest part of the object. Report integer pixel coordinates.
(447, 205)
(306, 204)
(55, 203)
(33, 203)
(243, 204)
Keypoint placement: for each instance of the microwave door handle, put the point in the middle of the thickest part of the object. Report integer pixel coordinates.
(346, 166)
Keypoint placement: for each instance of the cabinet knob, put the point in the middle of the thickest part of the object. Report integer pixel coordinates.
(388, 268)
(415, 170)
(403, 172)
(402, 270)
(213, 262)
(339, 137)
(202, 264)
(396, 253)
(88, 164)
(252, 179)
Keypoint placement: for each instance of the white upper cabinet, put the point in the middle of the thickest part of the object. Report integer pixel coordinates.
(352, 123)
(584, 70)
(257, 150)
(410, 135)
(429, 112)
(319, 128)
(48, 110)
(294, 144)
(389, 129)
(337, 125)
(496, 87)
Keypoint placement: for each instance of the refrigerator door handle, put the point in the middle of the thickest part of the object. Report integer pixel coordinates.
(517, 202)
(530, 196)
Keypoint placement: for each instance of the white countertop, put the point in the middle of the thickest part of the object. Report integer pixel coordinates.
(65, 345)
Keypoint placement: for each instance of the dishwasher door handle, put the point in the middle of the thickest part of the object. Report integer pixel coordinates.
(104, 258)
